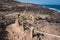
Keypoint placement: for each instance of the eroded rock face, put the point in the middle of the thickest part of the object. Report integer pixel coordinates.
(15, 32)
(44, 19)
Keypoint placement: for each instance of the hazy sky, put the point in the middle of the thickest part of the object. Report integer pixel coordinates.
(47, 2)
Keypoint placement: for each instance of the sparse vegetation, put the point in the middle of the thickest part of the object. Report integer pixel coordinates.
(42, 19)
(25, 18)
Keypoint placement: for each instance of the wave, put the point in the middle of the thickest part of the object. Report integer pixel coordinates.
(55, 9)
(52, 8)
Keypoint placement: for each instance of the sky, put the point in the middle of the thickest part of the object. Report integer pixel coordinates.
(45, 2)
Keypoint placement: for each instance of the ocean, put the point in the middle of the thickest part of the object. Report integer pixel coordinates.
(57, 7)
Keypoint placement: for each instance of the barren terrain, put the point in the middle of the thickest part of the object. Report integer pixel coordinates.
(21, 21)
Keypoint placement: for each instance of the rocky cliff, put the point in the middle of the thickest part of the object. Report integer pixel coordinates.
(13, 13)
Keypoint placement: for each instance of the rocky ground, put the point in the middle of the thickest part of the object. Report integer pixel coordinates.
(13, 13)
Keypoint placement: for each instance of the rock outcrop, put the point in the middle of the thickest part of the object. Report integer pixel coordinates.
(13, 13)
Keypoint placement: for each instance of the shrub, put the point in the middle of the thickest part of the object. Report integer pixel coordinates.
(25, 18)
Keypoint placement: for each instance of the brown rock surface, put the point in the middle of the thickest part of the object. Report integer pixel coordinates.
(43, 19)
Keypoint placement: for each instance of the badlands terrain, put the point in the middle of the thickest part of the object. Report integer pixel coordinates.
(21, 21)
